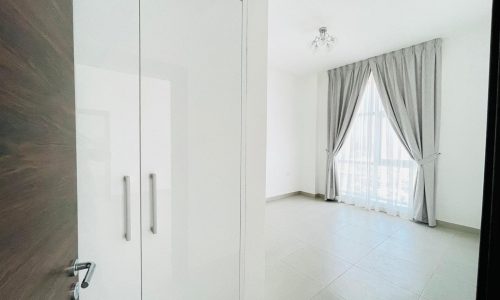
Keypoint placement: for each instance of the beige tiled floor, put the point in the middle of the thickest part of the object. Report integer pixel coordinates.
(325, 250)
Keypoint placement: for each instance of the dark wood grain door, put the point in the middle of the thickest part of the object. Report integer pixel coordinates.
(38, 205)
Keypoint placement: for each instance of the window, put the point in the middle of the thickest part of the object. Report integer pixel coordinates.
(373, 167)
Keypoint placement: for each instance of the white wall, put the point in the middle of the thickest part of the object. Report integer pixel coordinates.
(463, 126)
(321, 132)
(252, 272)
(291, 133)
(307, 92)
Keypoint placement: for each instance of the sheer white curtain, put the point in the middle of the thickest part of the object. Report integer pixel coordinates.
(374, 169)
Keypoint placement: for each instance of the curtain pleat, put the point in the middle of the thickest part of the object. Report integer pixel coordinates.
(409, 82)
(345, 87)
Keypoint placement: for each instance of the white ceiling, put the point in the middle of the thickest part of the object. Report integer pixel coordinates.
(362, 28)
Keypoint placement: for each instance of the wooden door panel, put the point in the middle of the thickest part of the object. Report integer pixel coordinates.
(38, 212)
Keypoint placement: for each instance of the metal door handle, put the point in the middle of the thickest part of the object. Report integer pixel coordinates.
(90, 267)
(78, 266)
(128, 233)
(154, 216)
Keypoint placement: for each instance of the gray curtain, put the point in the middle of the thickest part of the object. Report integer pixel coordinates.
(409, 83)
(345, 87)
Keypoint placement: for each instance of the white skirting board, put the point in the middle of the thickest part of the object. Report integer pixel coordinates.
(277, 197)
(458, 227)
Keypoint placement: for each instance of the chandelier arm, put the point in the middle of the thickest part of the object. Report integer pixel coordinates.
(323, 39)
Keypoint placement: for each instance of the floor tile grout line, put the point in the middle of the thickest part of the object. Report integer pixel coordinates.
(391, 233)
(384, 278)
(300, 272)
(390, 281)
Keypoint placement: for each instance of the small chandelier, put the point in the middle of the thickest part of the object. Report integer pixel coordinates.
(323, 39)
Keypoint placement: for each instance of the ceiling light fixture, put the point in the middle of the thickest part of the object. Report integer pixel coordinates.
(323, 39)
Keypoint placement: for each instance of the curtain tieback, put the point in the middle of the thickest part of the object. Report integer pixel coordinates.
(428, 159)
(329, 153)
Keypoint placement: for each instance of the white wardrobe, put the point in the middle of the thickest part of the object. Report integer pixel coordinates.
(158, 112)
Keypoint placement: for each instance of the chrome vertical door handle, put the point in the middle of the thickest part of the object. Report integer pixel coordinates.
(126, 191)
(154, 214)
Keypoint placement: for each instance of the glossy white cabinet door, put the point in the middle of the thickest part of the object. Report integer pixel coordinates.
(191, 139)
(156, 191)
(107, 123)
